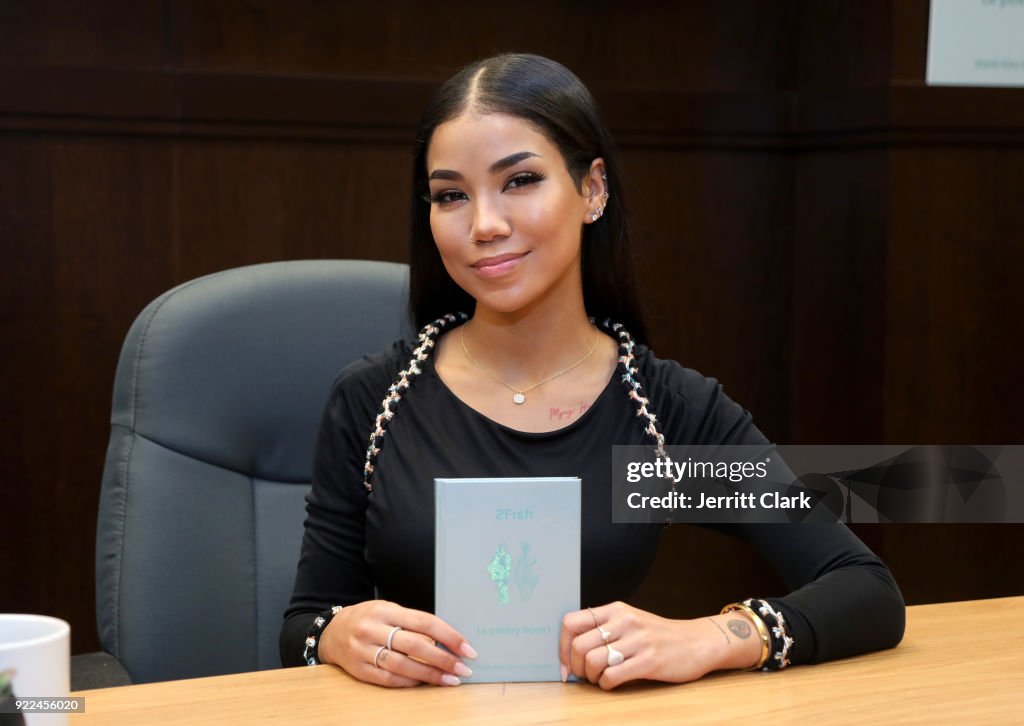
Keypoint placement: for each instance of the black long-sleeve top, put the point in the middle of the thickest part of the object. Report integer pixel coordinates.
(359, 545)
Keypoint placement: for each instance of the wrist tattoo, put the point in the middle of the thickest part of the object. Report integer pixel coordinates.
(727, 640)
(740, 628)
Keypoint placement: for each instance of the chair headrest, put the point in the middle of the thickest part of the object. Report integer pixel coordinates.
(234, 368)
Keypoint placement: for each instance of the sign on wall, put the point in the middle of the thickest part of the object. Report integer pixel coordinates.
(976, 43)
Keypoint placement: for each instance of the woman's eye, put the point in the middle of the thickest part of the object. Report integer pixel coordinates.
(446, 198)
(524, 179)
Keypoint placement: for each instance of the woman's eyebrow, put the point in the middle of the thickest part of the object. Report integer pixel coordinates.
(499, 165)
(444, 174)
(510, 160)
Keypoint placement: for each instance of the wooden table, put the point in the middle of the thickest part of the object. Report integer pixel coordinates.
(959, 662)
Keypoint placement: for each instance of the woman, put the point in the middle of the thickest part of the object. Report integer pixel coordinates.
(518, 220)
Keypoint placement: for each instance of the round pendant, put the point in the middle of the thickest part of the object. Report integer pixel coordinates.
(519, 399)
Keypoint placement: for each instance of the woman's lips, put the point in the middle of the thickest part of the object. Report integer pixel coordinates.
(497, 265)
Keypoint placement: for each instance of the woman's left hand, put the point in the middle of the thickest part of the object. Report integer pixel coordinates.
(652, 647)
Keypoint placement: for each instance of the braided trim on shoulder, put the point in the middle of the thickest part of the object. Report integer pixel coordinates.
(630, 378)
(632, 383)
(427, 339)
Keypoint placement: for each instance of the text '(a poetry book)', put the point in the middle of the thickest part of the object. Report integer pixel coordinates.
(508, 570)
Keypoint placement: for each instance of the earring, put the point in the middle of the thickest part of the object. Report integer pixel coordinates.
(599, 212)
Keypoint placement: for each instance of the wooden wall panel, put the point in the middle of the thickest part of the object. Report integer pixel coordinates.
(840, 228)
(650, 46)
(713, 232)
(248, 202)
(947, 562)
(845, 45)
(84, 245)
(909, 41)
(117, 33)
(955, 321)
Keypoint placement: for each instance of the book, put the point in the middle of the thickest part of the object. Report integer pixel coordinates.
(507, 569)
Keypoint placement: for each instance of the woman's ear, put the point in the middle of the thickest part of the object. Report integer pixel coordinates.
(595, 190)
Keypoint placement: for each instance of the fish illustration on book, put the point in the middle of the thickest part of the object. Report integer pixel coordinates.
(500, 570)
(526, 576)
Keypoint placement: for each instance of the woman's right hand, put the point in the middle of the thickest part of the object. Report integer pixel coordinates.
(354, 636)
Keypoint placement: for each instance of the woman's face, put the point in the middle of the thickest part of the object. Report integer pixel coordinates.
(506, 215)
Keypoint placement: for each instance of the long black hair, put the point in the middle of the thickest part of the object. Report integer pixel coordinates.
(555, 101)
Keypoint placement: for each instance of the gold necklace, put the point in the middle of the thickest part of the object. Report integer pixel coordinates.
(519, 394)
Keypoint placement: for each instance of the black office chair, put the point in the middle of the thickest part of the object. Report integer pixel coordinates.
(217, 399)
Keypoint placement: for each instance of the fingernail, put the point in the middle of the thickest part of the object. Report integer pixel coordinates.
(467, 650)
(565, 672)
(462, 669)
(449, 680)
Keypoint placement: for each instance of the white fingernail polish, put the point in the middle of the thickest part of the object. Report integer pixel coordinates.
(449, 680)
(462, 669)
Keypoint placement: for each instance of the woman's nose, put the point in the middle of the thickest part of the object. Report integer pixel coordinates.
(489, 222)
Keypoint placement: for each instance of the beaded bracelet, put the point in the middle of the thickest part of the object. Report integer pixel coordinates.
(762, 631)
(781, 641)
(311, 653)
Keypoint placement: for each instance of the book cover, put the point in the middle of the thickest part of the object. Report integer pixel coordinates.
(508, 569)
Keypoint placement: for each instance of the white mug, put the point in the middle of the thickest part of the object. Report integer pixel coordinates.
(35, 652)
